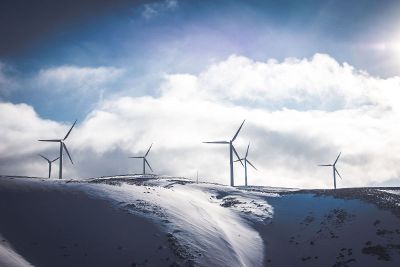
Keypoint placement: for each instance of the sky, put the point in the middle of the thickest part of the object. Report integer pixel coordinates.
(311, 79)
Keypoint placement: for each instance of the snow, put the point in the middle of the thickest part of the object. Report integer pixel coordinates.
(10, 258)
(249, 204)
(394, 192)
(269, 189)
(212, 233)
(214, 225)
(322, 230)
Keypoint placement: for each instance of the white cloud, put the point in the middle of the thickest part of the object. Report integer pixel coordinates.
(299, 113)
(319, 83)
(153, 9)
(20, 128)
(82, 79)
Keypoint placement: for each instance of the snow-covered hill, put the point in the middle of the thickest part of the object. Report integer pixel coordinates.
(207, 221)
(170, 221)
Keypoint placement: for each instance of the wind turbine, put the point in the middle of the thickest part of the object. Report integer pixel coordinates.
(62, 147)
(245, 164)
(334, 170)
(144, 160)
(231, 151)
(50, 162)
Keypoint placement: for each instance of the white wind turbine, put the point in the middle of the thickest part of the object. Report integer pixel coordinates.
(144, 160)
(62, 147)
(334, 170)
(49, 162)
(245, 164)
(231, 151)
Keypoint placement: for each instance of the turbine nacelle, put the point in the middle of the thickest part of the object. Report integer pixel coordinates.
(49, 161)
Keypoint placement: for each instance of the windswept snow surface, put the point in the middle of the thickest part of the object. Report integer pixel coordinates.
(394, 192)
(10, 258)
(210, 223)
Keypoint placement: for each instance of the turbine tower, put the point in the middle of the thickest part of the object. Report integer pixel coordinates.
(245, 164)
(334, 170)
(62, 147)
(231, 151)
(144, 160)
(50, 162)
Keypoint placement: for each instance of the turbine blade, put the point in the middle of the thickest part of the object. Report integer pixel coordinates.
(148, 164)
(251, 164)
(247, 151)
(216, 142)
(44, 157)
(326, 165)
(148, 150)
(55, 159)
(237, 155)
(338, 173)
(70, 130)
(337, 158)
(233, 139)
(50, 140)
(66, 150)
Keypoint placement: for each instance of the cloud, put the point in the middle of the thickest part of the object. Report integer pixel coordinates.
(319, 83)
(21, 127)
(154, 9)
(300, 113)
(82, 79)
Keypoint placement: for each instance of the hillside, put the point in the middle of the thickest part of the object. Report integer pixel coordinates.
(167, 221)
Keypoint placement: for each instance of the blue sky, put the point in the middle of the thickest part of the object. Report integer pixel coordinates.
(186, 36)
(281, 58)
